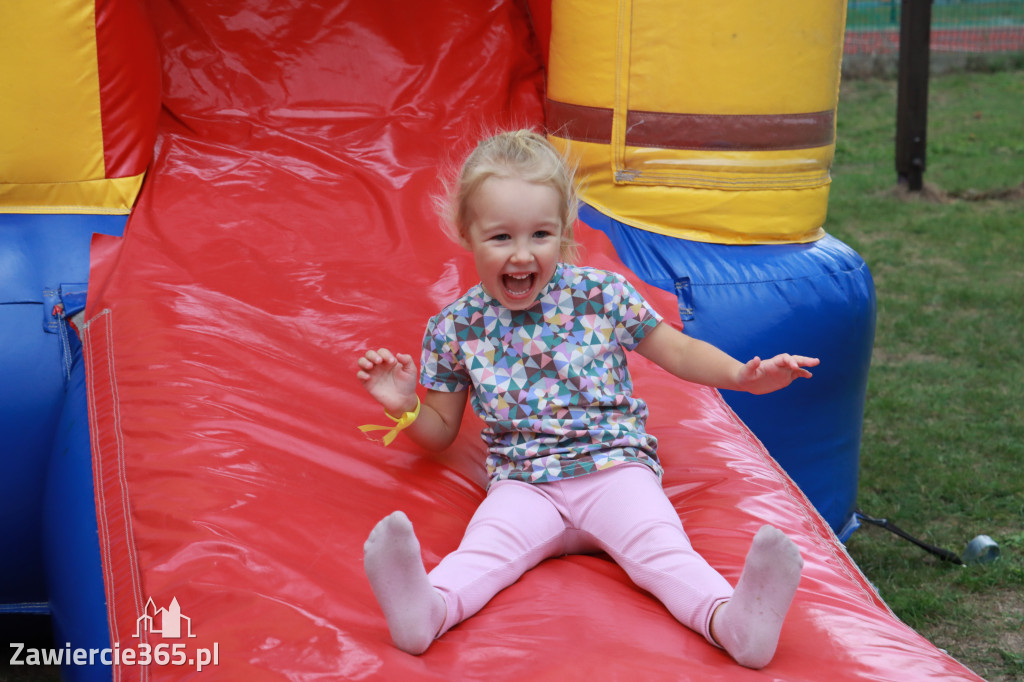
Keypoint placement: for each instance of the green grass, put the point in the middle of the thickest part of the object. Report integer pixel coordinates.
(943, 442)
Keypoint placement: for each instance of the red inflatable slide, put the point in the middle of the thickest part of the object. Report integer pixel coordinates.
(287, 225)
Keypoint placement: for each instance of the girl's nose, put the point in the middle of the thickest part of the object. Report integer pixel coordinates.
(522, 253)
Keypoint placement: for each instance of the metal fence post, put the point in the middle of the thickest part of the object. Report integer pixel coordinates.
(912, 92)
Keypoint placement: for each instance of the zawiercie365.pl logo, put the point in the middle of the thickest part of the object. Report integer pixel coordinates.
(170, 623)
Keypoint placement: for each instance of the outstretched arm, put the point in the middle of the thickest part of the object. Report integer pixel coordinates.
(391, 380)
(700, 362)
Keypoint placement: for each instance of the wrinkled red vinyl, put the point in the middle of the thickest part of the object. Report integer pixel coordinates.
(287, 225)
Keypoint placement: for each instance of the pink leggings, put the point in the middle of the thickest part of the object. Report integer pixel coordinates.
(621, 510)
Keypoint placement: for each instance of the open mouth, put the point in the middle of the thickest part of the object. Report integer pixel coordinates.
(518, 285)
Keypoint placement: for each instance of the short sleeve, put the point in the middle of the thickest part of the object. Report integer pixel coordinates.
(635, 316)
(441, 369)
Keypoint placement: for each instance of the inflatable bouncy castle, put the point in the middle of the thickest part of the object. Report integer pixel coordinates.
(208, 210)
(81, 89)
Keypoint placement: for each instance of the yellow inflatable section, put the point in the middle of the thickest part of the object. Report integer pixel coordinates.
(710, 121)
(81, 96)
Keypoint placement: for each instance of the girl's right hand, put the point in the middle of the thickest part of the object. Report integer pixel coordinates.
(390, 379)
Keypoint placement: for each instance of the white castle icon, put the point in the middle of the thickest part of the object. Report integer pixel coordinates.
(166, 622)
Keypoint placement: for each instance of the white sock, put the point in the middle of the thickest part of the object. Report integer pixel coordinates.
(414, 610)
(748, 625)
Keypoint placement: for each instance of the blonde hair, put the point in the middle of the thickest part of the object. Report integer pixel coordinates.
(521, 154)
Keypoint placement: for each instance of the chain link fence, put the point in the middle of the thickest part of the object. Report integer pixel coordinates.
(965, 35)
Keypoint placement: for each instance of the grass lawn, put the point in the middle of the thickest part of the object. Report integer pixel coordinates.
(943, 446)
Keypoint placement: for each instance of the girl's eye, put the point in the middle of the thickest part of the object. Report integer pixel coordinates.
(500, 237)
(542, 234)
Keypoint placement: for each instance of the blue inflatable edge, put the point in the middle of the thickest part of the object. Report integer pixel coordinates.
(814, 299)
(47, 281)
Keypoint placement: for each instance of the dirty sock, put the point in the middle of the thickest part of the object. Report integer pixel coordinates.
(414, 610)
(748, 625)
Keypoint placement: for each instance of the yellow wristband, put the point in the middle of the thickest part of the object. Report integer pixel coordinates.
(401, 423)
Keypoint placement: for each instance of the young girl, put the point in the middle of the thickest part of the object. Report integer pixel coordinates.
(538, 347)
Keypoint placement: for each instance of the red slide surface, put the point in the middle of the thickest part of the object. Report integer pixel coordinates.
(286, 226)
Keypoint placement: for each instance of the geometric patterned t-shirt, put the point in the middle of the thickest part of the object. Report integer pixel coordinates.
(551, 382)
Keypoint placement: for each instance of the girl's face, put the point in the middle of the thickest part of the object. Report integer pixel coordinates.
(515, 234)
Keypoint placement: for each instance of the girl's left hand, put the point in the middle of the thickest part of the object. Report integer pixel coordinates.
(759, 377)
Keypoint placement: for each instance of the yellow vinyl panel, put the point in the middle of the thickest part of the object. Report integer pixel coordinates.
(50, 122)
(704, 214)
(51, 134)
(581, 67)
(726, 106)
(735, 56)
(103, 196)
